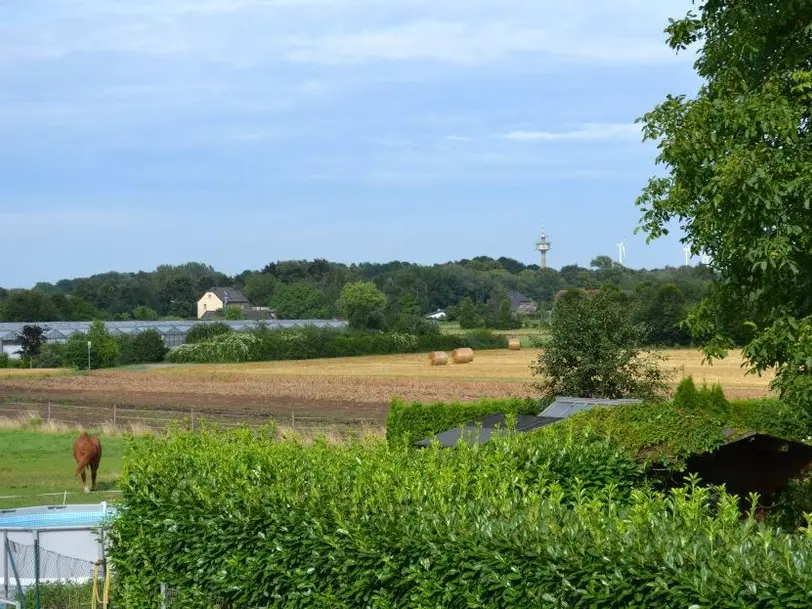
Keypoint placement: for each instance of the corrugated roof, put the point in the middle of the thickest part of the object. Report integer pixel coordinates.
(481, 431)
(564, 407)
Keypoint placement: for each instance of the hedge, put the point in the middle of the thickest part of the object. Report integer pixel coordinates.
(407, 423)
(312, 343)
(238, 520)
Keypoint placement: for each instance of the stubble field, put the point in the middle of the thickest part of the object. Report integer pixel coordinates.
(339, 390)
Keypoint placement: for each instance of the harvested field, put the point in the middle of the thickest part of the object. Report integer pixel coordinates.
(30, 373)
(338, 390)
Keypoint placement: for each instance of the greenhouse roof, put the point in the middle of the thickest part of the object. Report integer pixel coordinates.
(63, 329)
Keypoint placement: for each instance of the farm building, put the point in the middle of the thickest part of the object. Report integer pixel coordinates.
(521, 304)
(173, 332)
(438, 315)
(217, 298)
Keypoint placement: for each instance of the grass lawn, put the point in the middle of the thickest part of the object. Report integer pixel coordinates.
(35, 463)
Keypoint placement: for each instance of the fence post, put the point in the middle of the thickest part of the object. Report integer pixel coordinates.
(36, 570)
(193, 418)
(6, 558)
(114, 415)
(292, 420)
(49, 412)
(163, 595)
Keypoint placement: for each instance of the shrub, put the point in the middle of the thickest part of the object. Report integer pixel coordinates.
(52, 355)
(234, 347)
(104, 351)
(144, 348)
(206, 331)
(237, 519)
(408, 423)
(5, 360)
(710, 400)
(58, 595)
(772, 416)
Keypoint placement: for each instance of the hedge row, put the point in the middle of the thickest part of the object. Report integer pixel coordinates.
(313, 343)
(238, 520)
(407, 423)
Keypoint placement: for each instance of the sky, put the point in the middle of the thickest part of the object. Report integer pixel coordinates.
(135, 133)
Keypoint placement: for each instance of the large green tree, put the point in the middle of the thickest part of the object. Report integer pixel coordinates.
(362, 304)
(596, 350)
(738, 180)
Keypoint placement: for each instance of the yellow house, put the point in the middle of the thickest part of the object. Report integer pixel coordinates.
(217, 299)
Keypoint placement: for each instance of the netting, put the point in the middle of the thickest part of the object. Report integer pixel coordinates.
(64, 582)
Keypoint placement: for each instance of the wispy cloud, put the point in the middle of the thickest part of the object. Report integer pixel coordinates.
(587, 132)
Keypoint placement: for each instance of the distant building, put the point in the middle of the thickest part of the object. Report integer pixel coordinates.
(521, 305)
(438, 315)
(212, 303)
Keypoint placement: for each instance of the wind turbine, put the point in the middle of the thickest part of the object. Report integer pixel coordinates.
(687, 251)
(621, 252)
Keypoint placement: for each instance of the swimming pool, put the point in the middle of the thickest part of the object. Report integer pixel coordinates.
(60, 516)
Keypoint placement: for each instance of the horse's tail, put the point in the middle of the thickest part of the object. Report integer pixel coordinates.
(84, 462)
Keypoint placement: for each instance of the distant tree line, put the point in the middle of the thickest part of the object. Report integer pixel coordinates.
(475, 291)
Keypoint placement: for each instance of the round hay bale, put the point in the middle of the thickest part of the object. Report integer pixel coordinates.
(463, 356)
(514, 344)
(438, 358)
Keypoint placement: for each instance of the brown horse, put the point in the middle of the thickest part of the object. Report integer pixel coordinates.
(87, 452)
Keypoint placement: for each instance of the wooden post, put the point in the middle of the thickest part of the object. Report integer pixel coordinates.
(193, 419)
(114, 416)
(49, 412)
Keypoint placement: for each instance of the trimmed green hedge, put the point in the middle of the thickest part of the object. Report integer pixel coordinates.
(407, 423)
(313, 343)
(237, 519)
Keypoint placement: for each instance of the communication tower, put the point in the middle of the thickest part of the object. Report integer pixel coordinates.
(543, 245)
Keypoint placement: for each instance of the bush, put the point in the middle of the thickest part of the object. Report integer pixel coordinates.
(710, 400)
(104, 351)
(5, 360)
(144, 348)
(52, 355)
(408, 423)
(58, 595)
(772, 416)
(234, 347)
(206, 331)
(237, 519)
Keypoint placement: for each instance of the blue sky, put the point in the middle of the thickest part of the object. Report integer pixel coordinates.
(237, 132)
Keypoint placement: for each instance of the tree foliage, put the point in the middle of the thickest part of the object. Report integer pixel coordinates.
(596, 350)
(739, 179)
(104, 349)
(362, 304)
(31, 338)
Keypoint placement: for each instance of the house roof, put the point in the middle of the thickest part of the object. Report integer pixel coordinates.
(517, 298)
(233, 295)
(478, 432)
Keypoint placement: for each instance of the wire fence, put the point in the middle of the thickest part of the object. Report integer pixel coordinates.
(37, 578)
(134, 418)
